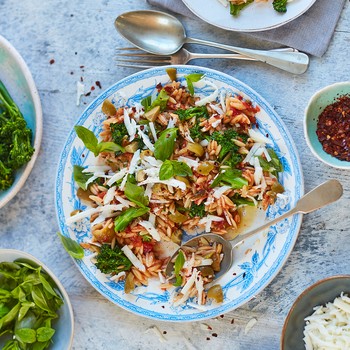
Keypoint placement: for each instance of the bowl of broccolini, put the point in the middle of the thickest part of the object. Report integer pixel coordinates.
(20, 122)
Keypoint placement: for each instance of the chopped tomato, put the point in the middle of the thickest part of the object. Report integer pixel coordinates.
(147, 247)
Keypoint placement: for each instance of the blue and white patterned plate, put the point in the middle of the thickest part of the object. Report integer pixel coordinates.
(257, 261)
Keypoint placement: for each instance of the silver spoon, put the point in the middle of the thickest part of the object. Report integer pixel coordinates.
(322, 195)
(162, 34)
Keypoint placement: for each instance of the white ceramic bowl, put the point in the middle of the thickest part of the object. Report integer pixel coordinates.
(18, 80)
(318, 102)
(64, 325)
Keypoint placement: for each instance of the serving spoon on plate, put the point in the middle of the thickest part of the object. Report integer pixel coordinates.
(162, 34)
(324, 194)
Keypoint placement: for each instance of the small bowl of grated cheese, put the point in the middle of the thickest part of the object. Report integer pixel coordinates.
(320, 317)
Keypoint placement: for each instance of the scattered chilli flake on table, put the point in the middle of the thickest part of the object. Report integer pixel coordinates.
(176, 161)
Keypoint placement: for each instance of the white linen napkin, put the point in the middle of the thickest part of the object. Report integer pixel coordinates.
(311, 32)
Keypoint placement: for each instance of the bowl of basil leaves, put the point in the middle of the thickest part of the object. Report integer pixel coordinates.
(35, 311)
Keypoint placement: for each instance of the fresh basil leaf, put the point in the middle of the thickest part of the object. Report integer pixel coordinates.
(39, 299)
(181, 168)
(274, 166)
(11, 345)
(18, 293)
(170, 168)
(238, 200)
(192, 78)
(88, 137)
(44, 334)
(123, 220)
(136, 194)
(230, 177)
(25, 306)
(161, 100)
(146, 103)
(164, 146)
(26, 335)
(47, 286)
(79, 177)
(10, 316)
(91, 143)
(179, 263)
(166, 170)
(109, 147)
(72, 247)
(3, 310)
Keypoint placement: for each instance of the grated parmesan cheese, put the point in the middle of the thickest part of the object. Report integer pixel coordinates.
(91, 211)
(130, 125)
(119, 175)
(80, 91)
(212, 97)
(151, 229)
(109, 195)
(219, 191)
(133, 258)
(207, 220)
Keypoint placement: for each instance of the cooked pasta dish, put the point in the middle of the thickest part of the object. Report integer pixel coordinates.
(177, 161)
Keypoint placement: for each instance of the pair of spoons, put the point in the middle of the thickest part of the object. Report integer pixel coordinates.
(162, 34)
(322, 195)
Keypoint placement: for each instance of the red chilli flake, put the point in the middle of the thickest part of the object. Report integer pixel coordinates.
(333, 128)
(52, 61)
(98, 84)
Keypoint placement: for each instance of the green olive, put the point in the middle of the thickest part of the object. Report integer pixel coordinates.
(171, 73)
(152, 114)
(206, 271)
(196, 148)
(216, 262)
(129, 285)
(132, 147)
(205, 168)
(277, 187)
(108, 108)
(178, 218)
(215, 292)
(84, 194)
(176, 237)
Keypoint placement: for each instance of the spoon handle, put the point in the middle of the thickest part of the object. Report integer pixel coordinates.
(293, 62)
(324, 194)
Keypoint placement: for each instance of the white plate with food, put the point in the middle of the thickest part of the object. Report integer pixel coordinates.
(19, 99)
(202, 153)
(248, 16)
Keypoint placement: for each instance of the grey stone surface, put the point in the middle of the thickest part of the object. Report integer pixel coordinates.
(80, 37)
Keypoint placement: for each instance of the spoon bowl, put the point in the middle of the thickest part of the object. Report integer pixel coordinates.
(153, 31)
(227, 251)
